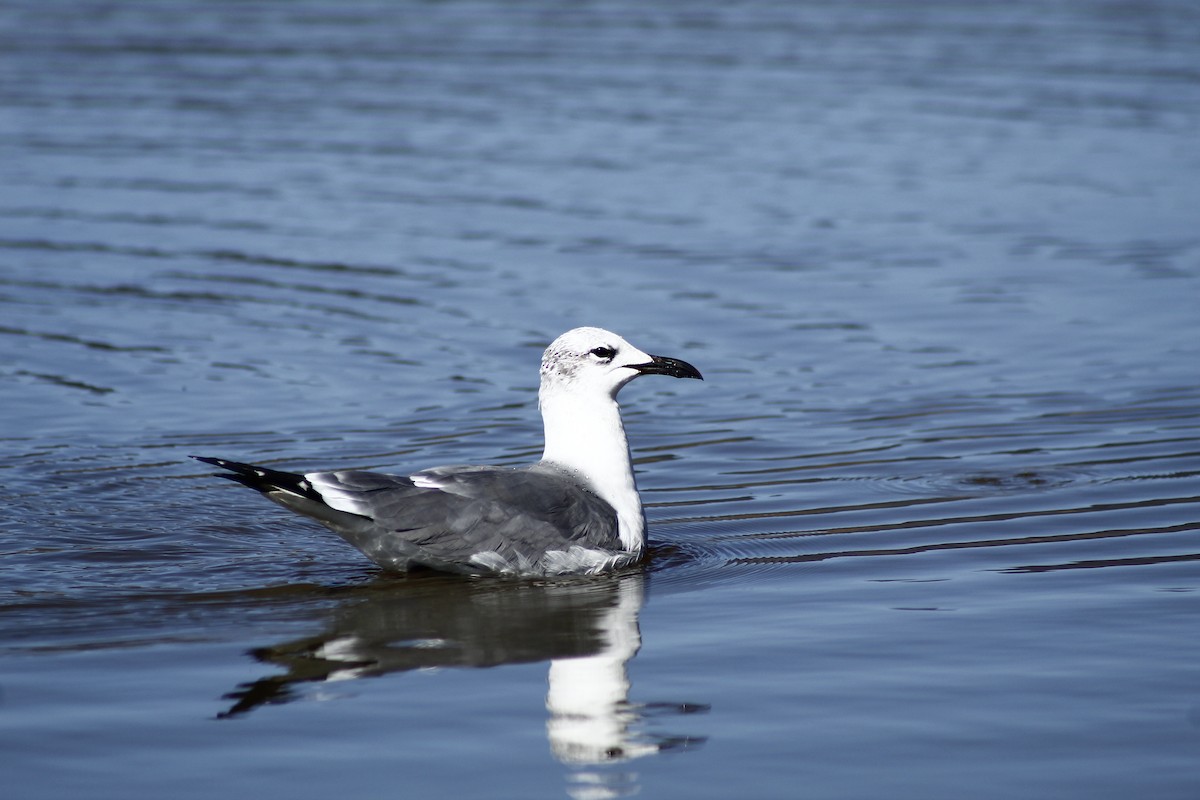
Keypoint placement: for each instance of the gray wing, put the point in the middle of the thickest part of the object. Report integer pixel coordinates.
(465, 519)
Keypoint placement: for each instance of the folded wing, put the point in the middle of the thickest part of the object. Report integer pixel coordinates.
(530, 520)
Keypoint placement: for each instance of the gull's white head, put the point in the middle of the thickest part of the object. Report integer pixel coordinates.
(596, 362)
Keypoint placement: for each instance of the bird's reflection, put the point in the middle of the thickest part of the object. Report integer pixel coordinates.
(586, 629)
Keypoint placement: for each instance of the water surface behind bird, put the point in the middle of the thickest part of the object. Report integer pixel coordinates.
(927, 529)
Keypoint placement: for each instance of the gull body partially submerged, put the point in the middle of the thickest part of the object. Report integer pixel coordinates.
(576, 511)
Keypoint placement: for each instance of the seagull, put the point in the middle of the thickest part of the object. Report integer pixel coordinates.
(577, 511)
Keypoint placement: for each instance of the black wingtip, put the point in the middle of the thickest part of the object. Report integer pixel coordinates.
(216, 462)
(248, 470)
(262, 479)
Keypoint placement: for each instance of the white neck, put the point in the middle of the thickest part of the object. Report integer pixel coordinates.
(587, 437)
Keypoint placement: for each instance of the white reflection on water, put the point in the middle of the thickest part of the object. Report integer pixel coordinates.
(588, 700)
(591, 720)
(586, 629)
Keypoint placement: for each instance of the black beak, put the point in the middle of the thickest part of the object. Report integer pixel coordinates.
(661, 365)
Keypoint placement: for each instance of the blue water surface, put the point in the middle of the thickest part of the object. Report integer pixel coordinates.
(928, 529)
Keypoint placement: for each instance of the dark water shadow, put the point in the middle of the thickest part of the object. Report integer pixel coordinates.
(587, 631)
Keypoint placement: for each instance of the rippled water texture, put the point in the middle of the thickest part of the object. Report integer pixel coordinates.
(929, 529)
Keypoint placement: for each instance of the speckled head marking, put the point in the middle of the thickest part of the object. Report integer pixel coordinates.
(582, 348)
(596, 362)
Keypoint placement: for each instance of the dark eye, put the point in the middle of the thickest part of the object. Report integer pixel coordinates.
(604, 353)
